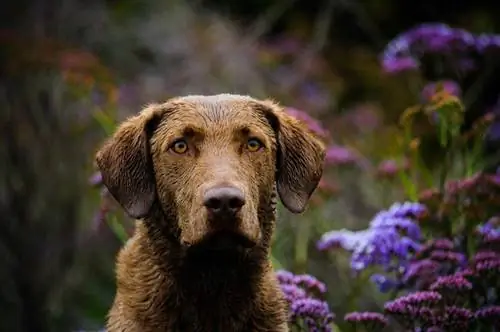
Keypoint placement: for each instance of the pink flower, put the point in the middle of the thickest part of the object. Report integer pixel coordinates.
(313, 124)
(339, 155)
(390, 167)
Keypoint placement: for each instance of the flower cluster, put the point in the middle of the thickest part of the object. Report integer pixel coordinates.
(437, 253)
(406, 51)
(452, 281)
(306, 310)
(389, 242)
(457, 294)
(436, 258)
(371, 321)
(450, 58)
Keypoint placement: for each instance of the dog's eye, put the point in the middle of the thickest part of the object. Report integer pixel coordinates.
(180, 146)
(254, 145)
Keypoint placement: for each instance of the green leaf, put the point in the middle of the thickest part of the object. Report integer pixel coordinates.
(443, 132)
(107, 123)
(275, 262)
(117, 228)
(409, 188)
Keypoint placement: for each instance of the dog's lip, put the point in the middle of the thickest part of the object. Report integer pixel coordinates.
(226, 239)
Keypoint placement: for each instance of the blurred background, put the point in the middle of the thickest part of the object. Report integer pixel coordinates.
(70, 70)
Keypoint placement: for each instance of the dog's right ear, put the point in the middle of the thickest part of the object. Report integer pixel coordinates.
(300, 158)
(124, 161)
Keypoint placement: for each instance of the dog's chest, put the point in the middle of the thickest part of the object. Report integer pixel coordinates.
(215, 309)
(191, 319)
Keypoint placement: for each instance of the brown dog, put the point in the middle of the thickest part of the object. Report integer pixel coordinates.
(201, 174)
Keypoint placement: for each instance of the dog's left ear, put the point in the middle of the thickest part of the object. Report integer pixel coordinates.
(300, 158)
(124, 161)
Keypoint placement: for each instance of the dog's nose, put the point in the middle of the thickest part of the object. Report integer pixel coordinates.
(224, 200)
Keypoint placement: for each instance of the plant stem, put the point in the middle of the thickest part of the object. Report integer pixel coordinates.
(444, 170)
(301, 245)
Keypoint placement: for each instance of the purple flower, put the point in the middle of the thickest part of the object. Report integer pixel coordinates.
(443, 244)
(423, 298)
(407, 209)
(405, 51)
(398, 308)
(411, 316)
(95, 179)
(390, 167)
(489, 267)
(293, 293)
(451, 286)
(486, 42)
(312, 308)
(314, 313)
(490, 228)
(466, 273)
(408, 314)
(393, 220)
(413, 305)
(370, 320)
(457, 318)
(305, 281)
(392, 64)
(284, 277)
(428, 316)
(381, 250)
(440, 244)
(491, 241)
(309, 282)
(423, 271)
(339, 155)
(487, 255)
(450, 257)
(489, 314)
(424, 307)
(389, 242)
(344, 238)
(384, 283)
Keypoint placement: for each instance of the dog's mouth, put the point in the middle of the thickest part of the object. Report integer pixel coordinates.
(226, 240)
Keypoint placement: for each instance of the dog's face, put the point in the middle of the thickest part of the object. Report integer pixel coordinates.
(213, 162)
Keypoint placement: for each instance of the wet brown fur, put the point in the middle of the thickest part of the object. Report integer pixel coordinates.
(170, 277)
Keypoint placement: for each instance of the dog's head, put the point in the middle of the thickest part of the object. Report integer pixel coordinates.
(213, 162)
